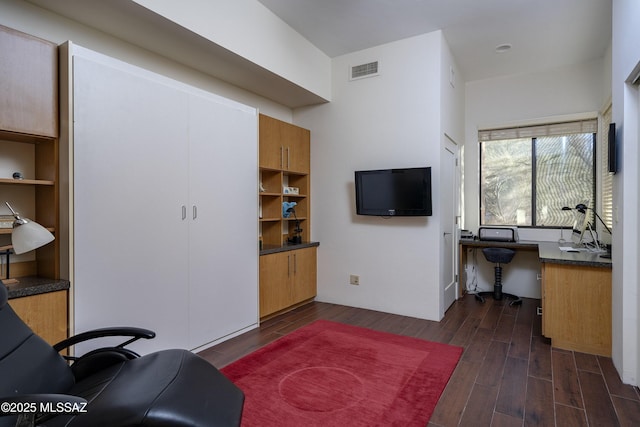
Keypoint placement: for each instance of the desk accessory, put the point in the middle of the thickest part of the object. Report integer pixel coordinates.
(586, 225)
(26, 236)
(297, 237)
(498, 234)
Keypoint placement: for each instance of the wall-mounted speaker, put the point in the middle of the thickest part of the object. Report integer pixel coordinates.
(613, 157)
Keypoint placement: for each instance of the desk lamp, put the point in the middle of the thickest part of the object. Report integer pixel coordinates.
(26, 236)
(582, 208)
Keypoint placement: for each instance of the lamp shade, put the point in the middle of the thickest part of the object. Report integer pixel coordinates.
(26, 234)
(29, 236)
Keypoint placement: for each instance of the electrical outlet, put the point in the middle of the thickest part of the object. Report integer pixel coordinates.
(354, 280)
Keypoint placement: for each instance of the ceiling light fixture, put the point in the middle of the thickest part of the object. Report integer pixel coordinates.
(503, 48)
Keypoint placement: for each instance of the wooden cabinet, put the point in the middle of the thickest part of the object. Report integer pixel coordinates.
(29, 82)
(287, 279)
(284, 162)
(284, 146)
(46, 314)
(28, 144)
(576, 307)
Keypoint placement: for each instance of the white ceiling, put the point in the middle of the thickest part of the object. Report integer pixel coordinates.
(544, 34)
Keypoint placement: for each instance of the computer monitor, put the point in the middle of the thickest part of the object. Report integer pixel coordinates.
(580, 224)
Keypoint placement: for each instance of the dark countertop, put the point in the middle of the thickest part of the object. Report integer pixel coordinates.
(520, 244)
(547, 252)
(32, 285)
(275, 249)
(550, 252)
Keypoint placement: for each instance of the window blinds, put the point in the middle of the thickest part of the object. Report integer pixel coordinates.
(551, 129)
(606, 177)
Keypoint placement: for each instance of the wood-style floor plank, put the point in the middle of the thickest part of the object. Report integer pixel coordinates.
(540, 358)
(513, 388)
(508, 374)
(565, 379)
(574, 417)
(599, 409)
(539, 406)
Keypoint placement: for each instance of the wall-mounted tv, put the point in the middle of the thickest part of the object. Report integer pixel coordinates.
(394, 192)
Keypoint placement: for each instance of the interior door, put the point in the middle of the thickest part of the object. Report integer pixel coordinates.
(450, 190)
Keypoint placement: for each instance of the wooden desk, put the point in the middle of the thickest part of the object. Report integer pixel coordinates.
(521, 245)
(576, 300)
(576, 294)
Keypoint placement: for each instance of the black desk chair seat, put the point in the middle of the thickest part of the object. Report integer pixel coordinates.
(120, 388)
(498, 256)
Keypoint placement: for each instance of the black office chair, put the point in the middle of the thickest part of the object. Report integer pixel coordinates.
(120, 388)
(498, 256)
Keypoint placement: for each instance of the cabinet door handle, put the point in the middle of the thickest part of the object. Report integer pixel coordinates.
(195, 212)
(184, 212)
(288, 159)
(281, 157)
(288, 265)
(295, 264)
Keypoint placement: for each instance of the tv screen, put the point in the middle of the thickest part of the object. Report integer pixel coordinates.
(394, 192)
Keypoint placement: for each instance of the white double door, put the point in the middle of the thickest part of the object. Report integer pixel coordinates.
(164, 207)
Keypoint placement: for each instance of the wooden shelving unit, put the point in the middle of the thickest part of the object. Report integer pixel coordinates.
(284, 161)
(287, 276)
(29, 145)
(28, 139)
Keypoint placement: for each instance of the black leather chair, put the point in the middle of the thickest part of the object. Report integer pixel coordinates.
(120, 388)
(498, 256)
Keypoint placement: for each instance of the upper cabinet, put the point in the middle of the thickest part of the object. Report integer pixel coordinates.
(29, 84)
(283, 146)
(29, 144)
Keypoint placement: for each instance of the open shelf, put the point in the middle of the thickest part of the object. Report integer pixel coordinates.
(13, 181)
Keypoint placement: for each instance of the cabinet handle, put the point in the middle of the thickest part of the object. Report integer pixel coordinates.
(281, 157)
(184, 212)
(288, 265)
(195, 212)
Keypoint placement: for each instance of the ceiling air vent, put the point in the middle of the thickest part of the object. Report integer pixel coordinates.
(364, 70)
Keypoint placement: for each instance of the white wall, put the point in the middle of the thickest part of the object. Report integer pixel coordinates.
(250, 30)
(626, 271)
(388, 121)
(39, 22)
(570, 92)
(452, 91)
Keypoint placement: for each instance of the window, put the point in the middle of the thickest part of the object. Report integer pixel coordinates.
(528, 174)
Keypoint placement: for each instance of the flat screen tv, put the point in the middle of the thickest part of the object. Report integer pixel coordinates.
(394, 192)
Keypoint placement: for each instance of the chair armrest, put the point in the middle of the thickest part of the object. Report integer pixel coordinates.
(135, 333)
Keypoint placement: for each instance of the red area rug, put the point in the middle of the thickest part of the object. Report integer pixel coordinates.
(330, 374)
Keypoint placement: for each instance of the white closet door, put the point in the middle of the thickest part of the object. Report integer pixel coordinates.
(223, 238)
(130, 183)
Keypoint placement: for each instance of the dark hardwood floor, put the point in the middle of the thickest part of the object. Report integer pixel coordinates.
(508, 374)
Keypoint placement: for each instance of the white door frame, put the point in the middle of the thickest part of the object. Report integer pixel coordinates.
(452, 149)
